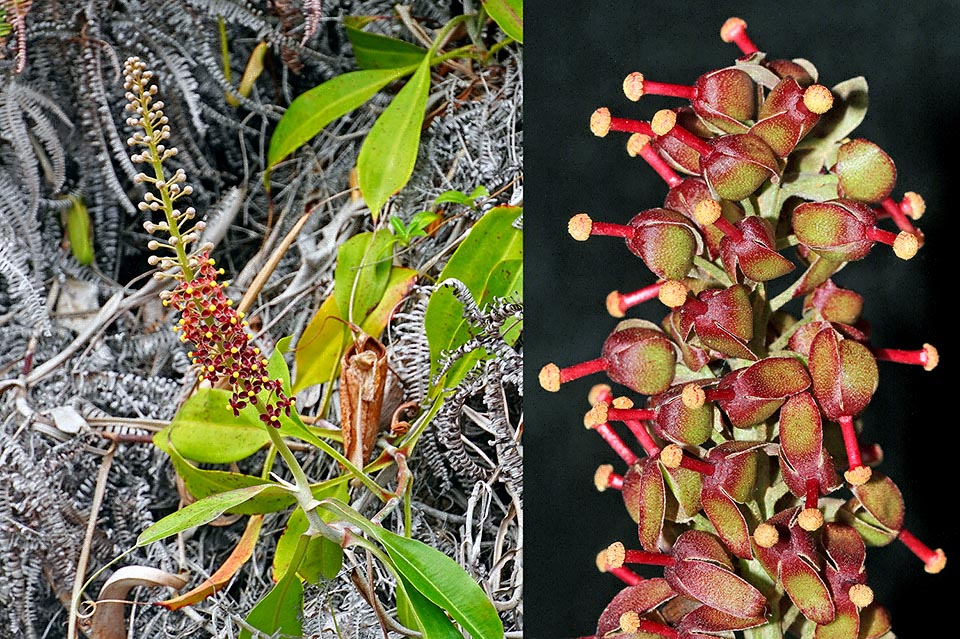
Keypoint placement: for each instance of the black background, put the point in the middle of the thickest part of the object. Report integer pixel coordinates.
(576, 56)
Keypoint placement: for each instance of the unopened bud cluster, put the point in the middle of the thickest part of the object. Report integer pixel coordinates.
(222, 351)
(752, 415)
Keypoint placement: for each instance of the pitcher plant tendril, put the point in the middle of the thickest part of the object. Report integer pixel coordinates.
(743, 452)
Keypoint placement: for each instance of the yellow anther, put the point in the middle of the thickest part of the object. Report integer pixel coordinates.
(208, 335)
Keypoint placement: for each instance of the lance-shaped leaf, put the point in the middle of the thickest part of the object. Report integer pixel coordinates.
(389, 151)
(279, 611)
(762, 388)
(666, 241)
(784, 119)
(198, 513)
(703, 571)
(723, 322)
(684, 198)
(311, 111)
(441, 580)
(802, 455)
(877, 514)
(640, 357)
(508, 14)
(844, 374)
(641, 598)
(866, 173)
(710, 621)
(754, 253)
(679, 423)
(738, 164)
(416, 611)
(837, 229)
(732, 482)
(652, 504)
(374, 51)
(222, 576)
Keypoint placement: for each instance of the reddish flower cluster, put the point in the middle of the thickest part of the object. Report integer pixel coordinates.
(222, 349)
(750, 412)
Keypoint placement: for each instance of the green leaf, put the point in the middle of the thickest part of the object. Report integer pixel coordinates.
(205, 429)
(311, 111)
(362, 273)
(421, 221)
(419, 613)
(316, 556)
(508, 14)
(322, 557)
(79, 230)
(374, 51)
(389, 151)
(279, 610)
(442, 581)
(848, 111)
(198, 513)
(320, 347)
(459, 197)
(489, 263)
(819, 149)
(400, 230)
(324, 339)
(203, 482)
(817, 187)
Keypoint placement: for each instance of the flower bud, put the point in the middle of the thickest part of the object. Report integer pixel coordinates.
(722, 319)
(752, 251)
(762, 388)
(726, 98)
(844, 374)
(665, 240)
(844, 230)
(738, 164)
(785, 117)
(835, 304)
(865, 172)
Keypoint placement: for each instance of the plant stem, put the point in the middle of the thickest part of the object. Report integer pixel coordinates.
(304, 495)
(157, 164)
